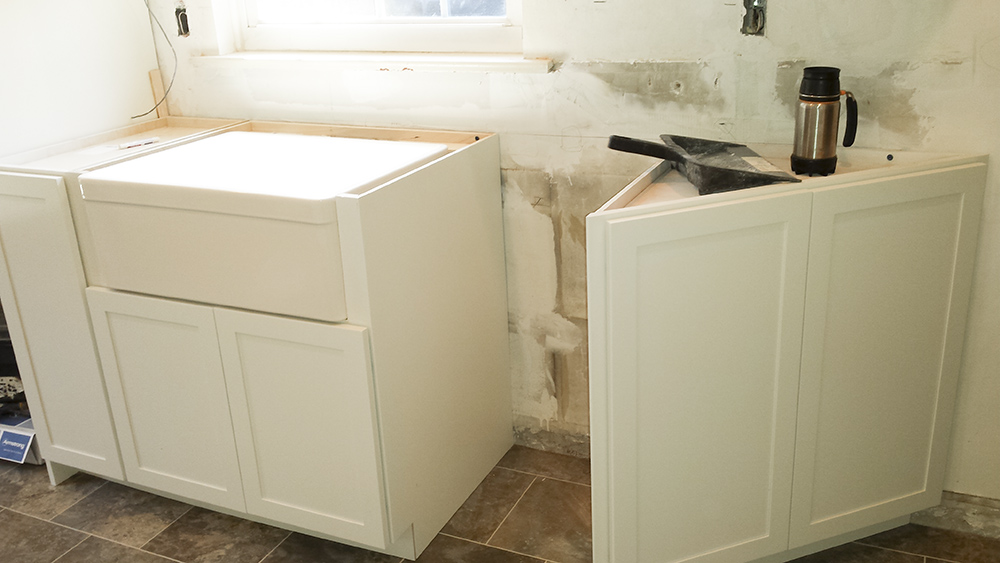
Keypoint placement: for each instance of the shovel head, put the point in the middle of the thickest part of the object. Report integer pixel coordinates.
(718, 166)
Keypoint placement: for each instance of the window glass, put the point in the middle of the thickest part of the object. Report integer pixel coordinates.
(343, 11)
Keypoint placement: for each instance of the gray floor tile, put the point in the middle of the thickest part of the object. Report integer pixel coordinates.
(300, 548)
(488, 505)
(445, 549)
(856, 553)
(936, 543)
(26, 489)
(97, 550)
(204, 536)
(551, 521)
(547, 464)
(26, 539)
(122, 514)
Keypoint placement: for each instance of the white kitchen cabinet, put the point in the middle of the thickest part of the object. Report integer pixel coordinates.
(889, 274)
(46, 312)
(303, 410)
(292, 398)
(371, 429)
(168, 394)
(44, 231)
(706, 304)
(773, 370)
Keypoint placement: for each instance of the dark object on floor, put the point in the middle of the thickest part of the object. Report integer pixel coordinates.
(712, 166)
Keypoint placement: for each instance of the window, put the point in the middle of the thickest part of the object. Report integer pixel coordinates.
(370, 11)
(477, 26)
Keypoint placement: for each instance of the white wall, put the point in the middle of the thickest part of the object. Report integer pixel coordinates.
(926, 73)
(70, 68)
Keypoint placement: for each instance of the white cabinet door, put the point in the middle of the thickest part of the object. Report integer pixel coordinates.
(168, 395)
(888, 287)
(701, 380)
(46, 310)
(302, 401)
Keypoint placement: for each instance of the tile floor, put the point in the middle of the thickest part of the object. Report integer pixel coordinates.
(534, 507)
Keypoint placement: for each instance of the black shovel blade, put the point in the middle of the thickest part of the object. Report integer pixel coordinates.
(719, 166)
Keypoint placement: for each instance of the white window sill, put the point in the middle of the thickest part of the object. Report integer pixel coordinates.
(391, 62)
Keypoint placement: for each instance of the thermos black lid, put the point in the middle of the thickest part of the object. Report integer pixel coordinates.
(820, 82)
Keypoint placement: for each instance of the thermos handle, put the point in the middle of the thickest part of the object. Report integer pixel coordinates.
(851, 130)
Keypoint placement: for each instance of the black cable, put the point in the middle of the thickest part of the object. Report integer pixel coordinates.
(172, 50)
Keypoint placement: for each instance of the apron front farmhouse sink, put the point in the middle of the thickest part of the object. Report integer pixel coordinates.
(245, 219)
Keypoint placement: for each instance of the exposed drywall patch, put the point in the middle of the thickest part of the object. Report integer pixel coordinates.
(685, 83)
(538, 334)
(989, 53)
(786, 84)
(570, 373)
(884, 99)
(535, 434)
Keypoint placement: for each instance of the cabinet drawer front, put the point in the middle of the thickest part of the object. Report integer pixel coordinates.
(703, 367)
(302, 401)
(168, 395)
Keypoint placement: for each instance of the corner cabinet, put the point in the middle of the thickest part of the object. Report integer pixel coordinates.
(281, 426)
(773, 371)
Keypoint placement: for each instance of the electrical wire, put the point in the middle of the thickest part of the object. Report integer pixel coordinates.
(172, 50)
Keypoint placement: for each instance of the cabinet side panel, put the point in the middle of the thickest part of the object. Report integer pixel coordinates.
(43, 296)
(704, 342)
(597, 337)
(432, 247)
(888, 282)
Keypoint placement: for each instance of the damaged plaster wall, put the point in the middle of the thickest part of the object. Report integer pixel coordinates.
(926, 74)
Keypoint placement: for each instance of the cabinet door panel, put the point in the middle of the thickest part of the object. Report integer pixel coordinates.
(888, 287)
(43, 298)
(168, 395)
(703, 367)
(305, 423)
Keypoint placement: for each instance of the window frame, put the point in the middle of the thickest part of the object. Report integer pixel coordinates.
(415, 35)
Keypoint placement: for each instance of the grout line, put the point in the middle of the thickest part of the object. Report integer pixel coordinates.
(925, 556)
(273, 549)
(48, 521)
(127, 546)
(164, 529)
(139, 549)
(511, 509)
(523, 472)
(79, 500)
(498, 548)
(87, 537)
(90, 535)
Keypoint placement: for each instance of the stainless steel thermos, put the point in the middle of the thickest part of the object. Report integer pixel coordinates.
(817, 118)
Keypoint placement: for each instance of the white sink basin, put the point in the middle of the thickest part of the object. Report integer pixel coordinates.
(244, 219)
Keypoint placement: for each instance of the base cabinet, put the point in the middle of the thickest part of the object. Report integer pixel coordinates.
(773, 369)
(255, 413)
